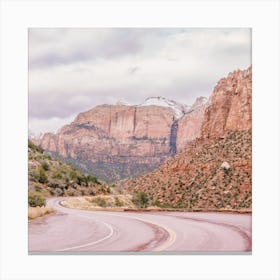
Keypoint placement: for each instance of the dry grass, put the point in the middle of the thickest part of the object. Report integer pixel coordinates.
(35, 212)
(92, 203)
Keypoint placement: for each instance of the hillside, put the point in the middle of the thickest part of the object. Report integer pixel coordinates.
(52, 177)
(215, 170)
(206, 175)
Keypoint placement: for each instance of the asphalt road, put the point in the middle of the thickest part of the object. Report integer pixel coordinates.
(73, 230)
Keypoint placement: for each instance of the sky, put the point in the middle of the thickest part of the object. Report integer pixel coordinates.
(73, 70)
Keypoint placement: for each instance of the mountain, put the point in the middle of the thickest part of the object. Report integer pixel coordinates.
(119, 141)
(189, 126)
(231, 105)
(214, 171)
(52, 177)
(178, 109)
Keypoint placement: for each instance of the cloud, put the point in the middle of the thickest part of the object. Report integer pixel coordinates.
(72, 70)
(37, 126)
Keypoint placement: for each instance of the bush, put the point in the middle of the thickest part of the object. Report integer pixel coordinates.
(43, 178)
(36, 199)
(45, 166)
(99, 201)
(118, 202)
(140, 199)
(32, 146)
(57, 174)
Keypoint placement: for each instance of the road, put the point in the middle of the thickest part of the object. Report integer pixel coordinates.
(73, 230)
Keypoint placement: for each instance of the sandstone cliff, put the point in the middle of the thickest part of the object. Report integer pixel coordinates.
(215, 170)
(189, 126)
(230, 105)
(119, 141)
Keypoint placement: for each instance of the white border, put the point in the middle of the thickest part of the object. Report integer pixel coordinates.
(262, 16)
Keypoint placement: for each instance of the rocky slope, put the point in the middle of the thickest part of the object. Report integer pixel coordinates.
(215, 170)
(51, 177)
(120, 141)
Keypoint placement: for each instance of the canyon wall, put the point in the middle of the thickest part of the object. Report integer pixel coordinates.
(214, 171)
(119, 141)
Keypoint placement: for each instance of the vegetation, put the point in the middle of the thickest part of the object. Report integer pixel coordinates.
(196, 178)
(140, 199)
(36, 199)
(118, 202)
(35, 212)
(52, 177)
(101, 202)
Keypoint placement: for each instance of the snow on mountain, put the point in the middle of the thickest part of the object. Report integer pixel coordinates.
(200, 101)
(122, 101)
(178, 109)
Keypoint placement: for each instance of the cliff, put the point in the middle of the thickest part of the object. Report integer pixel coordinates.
(215, 170)
(120, 141)
(230, 105)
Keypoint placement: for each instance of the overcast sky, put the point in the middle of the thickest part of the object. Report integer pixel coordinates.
(73, 70)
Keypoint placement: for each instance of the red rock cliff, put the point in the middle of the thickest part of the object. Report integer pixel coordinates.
(230, 105)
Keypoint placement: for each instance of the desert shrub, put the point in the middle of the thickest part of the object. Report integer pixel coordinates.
(140, 199)
(59, 191)
(57, 174)
(36, 199)
(54, 185)
(73, 174)
(92, 179)
(99, 201)
(42, 178)
(45, 166)
(32, 146)
(118, 202)
(156, 203)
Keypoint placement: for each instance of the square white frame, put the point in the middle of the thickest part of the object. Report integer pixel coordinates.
(261, 16)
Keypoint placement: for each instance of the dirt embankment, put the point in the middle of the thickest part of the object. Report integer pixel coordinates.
(35, 212)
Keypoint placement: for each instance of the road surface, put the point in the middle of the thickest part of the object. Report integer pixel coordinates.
(73, 230)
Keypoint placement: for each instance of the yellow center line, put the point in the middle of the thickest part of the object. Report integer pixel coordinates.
(171, 233)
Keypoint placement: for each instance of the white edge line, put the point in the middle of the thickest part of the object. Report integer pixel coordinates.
(91, 243)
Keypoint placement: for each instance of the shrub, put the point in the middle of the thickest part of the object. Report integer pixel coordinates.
(35, 199)
(57, 174)
(118, 202)
(140, 199)
(156, 203)
(73, 174)
(43, 178)
(32, 146)
(99, 201)
(45, 166)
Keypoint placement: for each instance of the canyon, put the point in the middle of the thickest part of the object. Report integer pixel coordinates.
(214, 171)
(114, 142)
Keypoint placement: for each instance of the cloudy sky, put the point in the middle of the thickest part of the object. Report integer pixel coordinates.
(73, 70)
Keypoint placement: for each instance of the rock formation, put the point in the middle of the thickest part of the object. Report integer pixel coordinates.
(118, 141)
(215, 170)
(189, 126)
(230, 105)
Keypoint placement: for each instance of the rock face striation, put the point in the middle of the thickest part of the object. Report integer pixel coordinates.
(189, 126)
(230, 105)
(214, 171)
(119, 141)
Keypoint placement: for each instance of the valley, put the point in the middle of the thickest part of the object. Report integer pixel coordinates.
(153, 177)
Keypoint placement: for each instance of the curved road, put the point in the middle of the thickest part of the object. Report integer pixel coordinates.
(73, 230)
